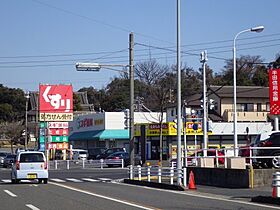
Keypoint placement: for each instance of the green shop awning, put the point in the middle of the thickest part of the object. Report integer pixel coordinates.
(86, 135)
(113, 134)
(100, 134)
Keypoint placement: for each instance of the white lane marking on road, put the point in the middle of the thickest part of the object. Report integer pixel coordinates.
(10, 193)
(104, 197)
(73, 180)
(58, 180)
(6, 180)
(32, 207)
(104, 179)
(204, 196)
(90, 180)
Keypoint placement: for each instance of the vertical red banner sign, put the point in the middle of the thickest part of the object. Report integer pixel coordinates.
(274, 91)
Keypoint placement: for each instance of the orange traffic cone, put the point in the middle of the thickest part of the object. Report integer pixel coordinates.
(274, 192)
(191, 185)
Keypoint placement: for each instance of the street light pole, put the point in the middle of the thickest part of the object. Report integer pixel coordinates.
(179, 107)
(131, 101)
(255, 29)
(97, 67)
(26, 108)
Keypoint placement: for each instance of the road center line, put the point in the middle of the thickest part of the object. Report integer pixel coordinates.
(104, 197)
(10, 193)
(31, 207)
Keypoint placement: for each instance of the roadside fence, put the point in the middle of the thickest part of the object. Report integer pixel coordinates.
(84, 164)
(159, 174)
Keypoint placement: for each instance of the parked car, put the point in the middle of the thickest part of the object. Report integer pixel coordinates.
(244, 151)
(79, 154)
(2, 157)
(9, 160)
(30, 165)
(115, 159)
(92, 153)
(272, 141)
(110, 151)
(210, 153)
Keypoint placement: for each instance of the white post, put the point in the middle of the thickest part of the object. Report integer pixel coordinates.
(131, 172)
(83, 163)
(67, 161)
(217, 158)
(159, 175)
(122, 163)
(195, 151)
(251, 161)
(185, 177)
(139, 173)
(149, 173)
(276, 124)
(171, 175)
(55, 164)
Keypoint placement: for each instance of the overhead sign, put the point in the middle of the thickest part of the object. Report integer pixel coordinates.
(56, 102)
(274, 91)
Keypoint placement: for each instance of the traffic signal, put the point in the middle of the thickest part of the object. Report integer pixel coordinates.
(211, 104)
(126, 118)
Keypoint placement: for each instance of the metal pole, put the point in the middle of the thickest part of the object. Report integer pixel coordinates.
(276, 124)
(131, 101)
(235, 137)
(26, 108)
(185, 136)
(205, 106)
(179, 116)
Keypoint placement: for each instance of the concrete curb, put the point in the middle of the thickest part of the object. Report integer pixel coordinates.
(266, 199)
(154, 184)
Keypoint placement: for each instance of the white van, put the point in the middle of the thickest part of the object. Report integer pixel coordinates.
(79, 154)
(30, 165)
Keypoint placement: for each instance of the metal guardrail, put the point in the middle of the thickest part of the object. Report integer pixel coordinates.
(149, 173)
(84, 164)
(228, 153)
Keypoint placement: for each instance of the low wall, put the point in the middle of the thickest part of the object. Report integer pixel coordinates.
(232, 178)
(220, 177)
(263, 177)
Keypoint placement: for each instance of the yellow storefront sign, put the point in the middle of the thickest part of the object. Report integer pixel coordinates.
(169, 129)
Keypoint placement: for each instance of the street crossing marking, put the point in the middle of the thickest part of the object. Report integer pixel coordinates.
(73, 180)
(58, 180)
(32, 207)
(105, 179)
(65, 180)
(90, 180)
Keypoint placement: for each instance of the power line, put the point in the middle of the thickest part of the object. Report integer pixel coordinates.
(98, 21)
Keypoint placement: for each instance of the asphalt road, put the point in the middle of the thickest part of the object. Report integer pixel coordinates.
(100, 189)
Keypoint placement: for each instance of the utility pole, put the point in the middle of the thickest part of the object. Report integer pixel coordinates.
(179, 107)
(131, 101)
(203, 60)
(26, 127)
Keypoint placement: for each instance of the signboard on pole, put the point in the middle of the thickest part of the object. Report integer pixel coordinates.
(56, 102)
(274, 91)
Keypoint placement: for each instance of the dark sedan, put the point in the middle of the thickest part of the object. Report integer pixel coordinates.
(9, 160)
(116, 158)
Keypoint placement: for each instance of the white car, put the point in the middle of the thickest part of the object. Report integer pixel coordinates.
(30, 165)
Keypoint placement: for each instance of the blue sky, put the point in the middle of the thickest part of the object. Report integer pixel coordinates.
(41, 40)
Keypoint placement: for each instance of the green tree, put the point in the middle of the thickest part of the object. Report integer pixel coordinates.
(12, 104)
